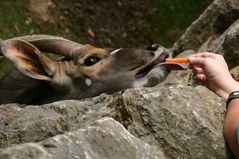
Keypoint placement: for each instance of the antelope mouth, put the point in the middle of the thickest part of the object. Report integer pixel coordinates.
(160, 58)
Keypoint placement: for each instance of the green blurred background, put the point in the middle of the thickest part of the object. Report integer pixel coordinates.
(113, 23)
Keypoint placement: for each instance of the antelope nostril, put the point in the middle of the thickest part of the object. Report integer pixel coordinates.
(153, 47)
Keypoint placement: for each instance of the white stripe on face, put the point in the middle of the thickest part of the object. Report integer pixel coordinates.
(88, 82)
(113, 52)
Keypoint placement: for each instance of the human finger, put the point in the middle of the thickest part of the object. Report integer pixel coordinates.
(192, 66)
(198, 70)
(201, 77)
(203, 55)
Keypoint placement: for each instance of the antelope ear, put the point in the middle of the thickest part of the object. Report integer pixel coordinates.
(53, 44)
(28, 59)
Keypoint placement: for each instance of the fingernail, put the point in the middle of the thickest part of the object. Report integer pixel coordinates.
(190, 59)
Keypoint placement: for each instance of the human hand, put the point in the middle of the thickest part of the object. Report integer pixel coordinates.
(213, 70)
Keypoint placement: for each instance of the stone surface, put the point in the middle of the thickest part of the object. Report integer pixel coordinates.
(216, 19)
(105, 138)
(20, 123)
(235, 73)
(226, 44)
(186, 122)
(180, 121)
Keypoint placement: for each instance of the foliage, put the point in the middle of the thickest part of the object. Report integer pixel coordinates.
(110, 24)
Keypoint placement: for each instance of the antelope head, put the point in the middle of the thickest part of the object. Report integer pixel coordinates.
(76, 71)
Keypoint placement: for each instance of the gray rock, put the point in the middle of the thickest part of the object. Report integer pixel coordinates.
(216, 30)
(105, 138)
(226, 44)
(20, 123)
(235, 73)
(216, 19)
(180, 121)
(185, 122)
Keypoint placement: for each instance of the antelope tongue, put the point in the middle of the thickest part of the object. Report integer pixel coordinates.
(151, 65)
(174, 66)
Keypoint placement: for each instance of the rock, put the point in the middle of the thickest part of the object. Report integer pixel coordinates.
(20, 123)
(235, 73)
(105, 138)
(226, 44)
(185, 122)
(180, 121)
(215, 20)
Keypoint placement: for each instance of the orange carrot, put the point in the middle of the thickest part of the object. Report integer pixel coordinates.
(177, 60)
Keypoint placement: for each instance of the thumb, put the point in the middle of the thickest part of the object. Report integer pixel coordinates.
(196, 60)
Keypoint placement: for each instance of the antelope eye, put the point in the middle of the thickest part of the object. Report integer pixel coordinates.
(89, 61)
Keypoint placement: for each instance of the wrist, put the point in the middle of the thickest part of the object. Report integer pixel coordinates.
(232, 86)
(224, 88)
(232, 96)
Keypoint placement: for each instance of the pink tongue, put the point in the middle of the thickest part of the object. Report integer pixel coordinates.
(174, 66)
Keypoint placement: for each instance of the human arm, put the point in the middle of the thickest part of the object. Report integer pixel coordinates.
(213, 70)
(230, 126)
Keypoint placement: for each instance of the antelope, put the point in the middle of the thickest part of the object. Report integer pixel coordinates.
(40, 69)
